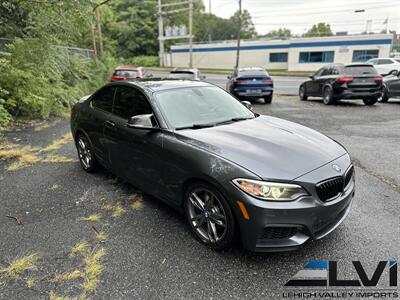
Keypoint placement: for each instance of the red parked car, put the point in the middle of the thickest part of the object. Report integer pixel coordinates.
(127, 72)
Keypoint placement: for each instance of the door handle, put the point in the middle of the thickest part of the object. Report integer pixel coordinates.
(110, 123)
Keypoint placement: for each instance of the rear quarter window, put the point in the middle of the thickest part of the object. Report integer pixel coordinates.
(360, 70)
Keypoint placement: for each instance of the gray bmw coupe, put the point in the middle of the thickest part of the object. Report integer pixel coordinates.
(270, 183)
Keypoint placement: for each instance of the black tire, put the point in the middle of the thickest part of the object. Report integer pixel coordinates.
(268, 99)
(85, 153)
(328, 96)
(385, 96)
(302, 93)
(370, 101)
(199, 220)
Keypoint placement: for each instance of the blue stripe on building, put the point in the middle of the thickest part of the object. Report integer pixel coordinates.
(292, 45)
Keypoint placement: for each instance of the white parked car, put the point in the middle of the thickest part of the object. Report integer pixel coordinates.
(385, 65)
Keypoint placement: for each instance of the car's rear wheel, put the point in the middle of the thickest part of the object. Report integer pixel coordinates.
(385, 95)
(302, 93)
(209, 215)
(268, 99)
(370, 101)
(85, 153)
(328, 96)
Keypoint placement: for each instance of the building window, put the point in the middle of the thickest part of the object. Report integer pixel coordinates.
(278, 57)
(316, 57)
(364, 55)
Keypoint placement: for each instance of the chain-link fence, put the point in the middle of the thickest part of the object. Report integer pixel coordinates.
(67, 51)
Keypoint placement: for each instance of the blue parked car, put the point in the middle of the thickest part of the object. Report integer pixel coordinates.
(251, 83)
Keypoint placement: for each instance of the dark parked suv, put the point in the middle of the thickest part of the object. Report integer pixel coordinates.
(250, 83)
(337, 81)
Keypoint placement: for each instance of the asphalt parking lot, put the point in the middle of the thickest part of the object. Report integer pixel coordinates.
(148, 250)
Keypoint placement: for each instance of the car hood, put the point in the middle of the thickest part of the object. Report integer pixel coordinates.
(269, 147)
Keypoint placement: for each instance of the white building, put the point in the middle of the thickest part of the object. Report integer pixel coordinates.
(297, 54)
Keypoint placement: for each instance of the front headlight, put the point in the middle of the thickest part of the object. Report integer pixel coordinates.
(272, 191)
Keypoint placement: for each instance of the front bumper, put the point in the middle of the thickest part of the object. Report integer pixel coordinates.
(283, 226)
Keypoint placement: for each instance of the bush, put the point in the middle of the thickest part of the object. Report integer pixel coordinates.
(143, 61)
(39, 80)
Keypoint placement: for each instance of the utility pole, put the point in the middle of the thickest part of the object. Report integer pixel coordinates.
(190, 33)
(161, 34)
(238, 36)
(209, 6)
(98, 28)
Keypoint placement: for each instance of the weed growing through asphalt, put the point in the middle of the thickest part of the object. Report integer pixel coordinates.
(25, 156)
(118, 210)
(93, 269)
(92, 218)
(58, 143)
(79, 248)
(137, 201)
(107, 207)
(55, 187)
(101, 236)
(69, 276)
(51, 158)
(30, 282)
(19, 266)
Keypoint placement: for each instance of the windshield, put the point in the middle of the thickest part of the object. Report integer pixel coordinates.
(126, 73)
(360, 70)
(252, 73)
(186, 107)
(181, 75)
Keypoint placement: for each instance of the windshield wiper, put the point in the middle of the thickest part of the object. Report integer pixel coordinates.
(196, 126)
(236, 119)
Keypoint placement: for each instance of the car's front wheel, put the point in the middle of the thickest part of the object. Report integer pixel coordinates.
(210, 218)
(302, 93)
(370, 101)
(85, 153)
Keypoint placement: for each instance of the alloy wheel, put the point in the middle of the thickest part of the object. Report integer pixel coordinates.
(207, 215)
(84, 152)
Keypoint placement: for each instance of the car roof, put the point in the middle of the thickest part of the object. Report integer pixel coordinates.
(160, 84)
(185, 70)
(127, 68)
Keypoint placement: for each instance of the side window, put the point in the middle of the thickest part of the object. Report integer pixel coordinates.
(130, 102)
(319, 72)
(334, 71)
(384, 62)
(326, 71)
(104, 98)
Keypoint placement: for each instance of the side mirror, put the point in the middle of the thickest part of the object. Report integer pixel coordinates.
(203, 77)
(142, 122)
(311, 77)
(247, 104)
(229, 77)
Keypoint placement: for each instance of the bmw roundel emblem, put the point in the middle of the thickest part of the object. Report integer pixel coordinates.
(336, 168)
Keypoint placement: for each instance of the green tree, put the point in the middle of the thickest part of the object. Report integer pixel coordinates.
(280, 33)
(248, 30)
(320, 29)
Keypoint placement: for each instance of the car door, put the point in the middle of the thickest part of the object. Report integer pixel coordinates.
(133, 153)
(100, 110)
(394, 86)
(312, 86)
(385, 66)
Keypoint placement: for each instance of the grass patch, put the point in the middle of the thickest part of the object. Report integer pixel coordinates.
(55, 187)
(51, 158)
(75, 274)
(25, 156)
(31, 282)
(19, 266)
(101, 236)
(79, 248)
(107, 207)
(137, 201)
(92, 218)
(118, 210)
(93, 270)
(58, 143)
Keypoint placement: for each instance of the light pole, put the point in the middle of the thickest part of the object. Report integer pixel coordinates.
(238, 35)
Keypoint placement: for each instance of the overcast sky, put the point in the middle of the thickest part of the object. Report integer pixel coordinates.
(299, 15)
